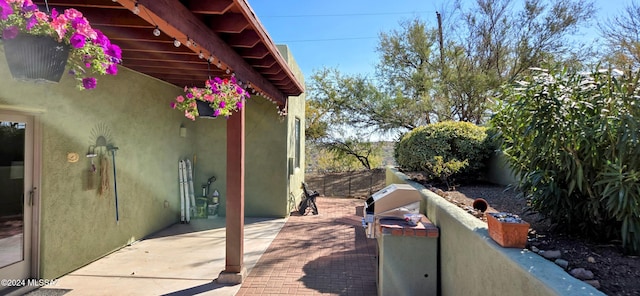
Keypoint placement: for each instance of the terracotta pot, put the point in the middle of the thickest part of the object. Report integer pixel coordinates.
(507, 234)
(36, 58)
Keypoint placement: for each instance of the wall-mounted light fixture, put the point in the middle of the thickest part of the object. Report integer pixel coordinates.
(183, 131)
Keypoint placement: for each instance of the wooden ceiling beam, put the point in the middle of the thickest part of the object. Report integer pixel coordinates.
(112, 17)
(80, 3)
(266, 62)
(246, 39)
(229, 23)
(178, 58)
(117, 33)
(176, 72)
(275, 69)
(209, 7)
(279, 76)
(174, 66)
(184, 21)
(257, 52)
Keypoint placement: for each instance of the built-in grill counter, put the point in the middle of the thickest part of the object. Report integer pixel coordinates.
(394, 201)
(407, 242)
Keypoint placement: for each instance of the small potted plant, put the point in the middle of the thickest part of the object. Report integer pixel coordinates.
(507, 229)
(219, 97)
(39, 45)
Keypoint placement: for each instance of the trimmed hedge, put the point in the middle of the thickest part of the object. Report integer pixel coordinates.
(456, 142)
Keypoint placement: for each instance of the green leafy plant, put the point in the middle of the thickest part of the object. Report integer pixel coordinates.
(444, 147)
(572, 138)
(91, 52)
(444, 170)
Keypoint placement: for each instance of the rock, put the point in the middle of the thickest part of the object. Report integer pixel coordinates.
(551, 255)
(562, 263)
(535, 249)
(582, 274)
(594, 283)
(591, 259)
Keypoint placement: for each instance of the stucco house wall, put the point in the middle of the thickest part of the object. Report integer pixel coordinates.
(131, 111)
(296, 107)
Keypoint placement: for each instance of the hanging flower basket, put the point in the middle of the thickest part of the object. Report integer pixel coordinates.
(219, 97)
(36, 58)
(39, 45)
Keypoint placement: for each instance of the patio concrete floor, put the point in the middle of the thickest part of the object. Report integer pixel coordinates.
(183, 259)
(325, 254)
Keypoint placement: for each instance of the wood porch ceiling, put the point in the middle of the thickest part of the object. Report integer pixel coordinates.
(227, 32)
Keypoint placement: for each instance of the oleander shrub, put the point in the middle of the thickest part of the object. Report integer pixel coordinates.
(446, 150)
(572, 138)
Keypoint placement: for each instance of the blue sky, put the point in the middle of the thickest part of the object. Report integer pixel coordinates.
(344, 33)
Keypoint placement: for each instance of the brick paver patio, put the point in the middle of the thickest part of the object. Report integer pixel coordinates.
(326, 254)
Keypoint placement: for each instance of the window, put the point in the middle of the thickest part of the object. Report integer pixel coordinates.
(297, 142)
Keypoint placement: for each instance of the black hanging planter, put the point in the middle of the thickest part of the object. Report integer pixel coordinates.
(204, 110)
(36, 58)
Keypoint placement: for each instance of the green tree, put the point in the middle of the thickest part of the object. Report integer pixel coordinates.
(342, 115)
(495, 43)
(622, 36)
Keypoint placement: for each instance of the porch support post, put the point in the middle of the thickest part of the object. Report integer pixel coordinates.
(235, 271)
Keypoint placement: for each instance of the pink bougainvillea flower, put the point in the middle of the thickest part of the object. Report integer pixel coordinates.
(41, 16)
(78, 21)
(180, 99)
(173, 105)
(86, 30)
(216, 113)
(31, 22)
(190, 95)
(89, 83)
(59, 24)
(101, 39)
(71, 13)
(222, 104)
(77, 40)
(28, 6)
(239, 105)
(112, 69)
(5, 10)
(114, 51)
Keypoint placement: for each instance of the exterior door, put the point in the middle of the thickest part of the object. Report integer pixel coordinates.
(17, 195)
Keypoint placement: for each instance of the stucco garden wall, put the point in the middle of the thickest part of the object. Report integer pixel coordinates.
(132, 112)
(471, 263)
(498, 170)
